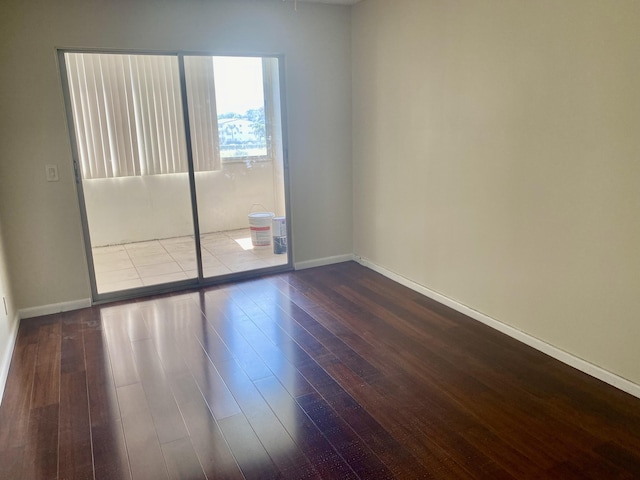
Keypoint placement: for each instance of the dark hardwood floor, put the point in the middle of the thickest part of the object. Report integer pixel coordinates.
(334, 372)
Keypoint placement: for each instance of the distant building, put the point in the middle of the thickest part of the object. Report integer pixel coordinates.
(236, 130)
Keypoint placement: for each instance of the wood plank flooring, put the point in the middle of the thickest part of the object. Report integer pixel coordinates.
(333, 372)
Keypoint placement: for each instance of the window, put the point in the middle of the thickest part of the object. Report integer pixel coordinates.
(128, 112)
(240, 101)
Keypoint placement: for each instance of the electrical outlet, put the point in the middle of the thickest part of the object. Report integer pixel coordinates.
(52, 173)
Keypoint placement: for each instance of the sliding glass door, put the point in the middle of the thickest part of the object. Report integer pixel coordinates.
(180, 167)
(245, 193)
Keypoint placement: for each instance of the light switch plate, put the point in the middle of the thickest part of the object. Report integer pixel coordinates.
(52, 173)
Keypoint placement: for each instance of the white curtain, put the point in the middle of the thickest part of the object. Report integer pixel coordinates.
(128, 114)
(203, 117)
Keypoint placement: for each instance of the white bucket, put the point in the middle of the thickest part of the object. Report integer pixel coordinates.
(260, 226)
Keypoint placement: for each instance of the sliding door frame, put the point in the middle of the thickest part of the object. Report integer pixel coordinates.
(200, 281)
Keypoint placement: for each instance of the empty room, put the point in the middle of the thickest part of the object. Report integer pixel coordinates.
(319, 239)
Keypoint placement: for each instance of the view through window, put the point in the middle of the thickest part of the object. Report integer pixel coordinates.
(240, 102)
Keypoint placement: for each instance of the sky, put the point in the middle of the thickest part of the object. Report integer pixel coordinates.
(238, 83)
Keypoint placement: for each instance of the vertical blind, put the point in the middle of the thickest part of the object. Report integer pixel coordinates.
(128, 114)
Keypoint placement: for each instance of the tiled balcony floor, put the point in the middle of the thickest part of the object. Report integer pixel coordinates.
(131, 265)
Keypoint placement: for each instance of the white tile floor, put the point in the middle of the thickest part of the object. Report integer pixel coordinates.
(120, 267)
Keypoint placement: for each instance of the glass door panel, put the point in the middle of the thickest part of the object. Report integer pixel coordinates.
(236, 135)
(133, 168)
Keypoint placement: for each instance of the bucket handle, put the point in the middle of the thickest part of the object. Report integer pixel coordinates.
(257, 205)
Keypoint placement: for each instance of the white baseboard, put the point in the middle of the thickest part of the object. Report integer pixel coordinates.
(321, 262)
(565, 357)
(5, 362)
(54, 308)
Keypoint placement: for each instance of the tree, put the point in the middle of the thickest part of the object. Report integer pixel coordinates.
(256, 117)
(228, 115)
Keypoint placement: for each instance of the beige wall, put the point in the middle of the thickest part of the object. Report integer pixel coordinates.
(43, 239)
(496, 153)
